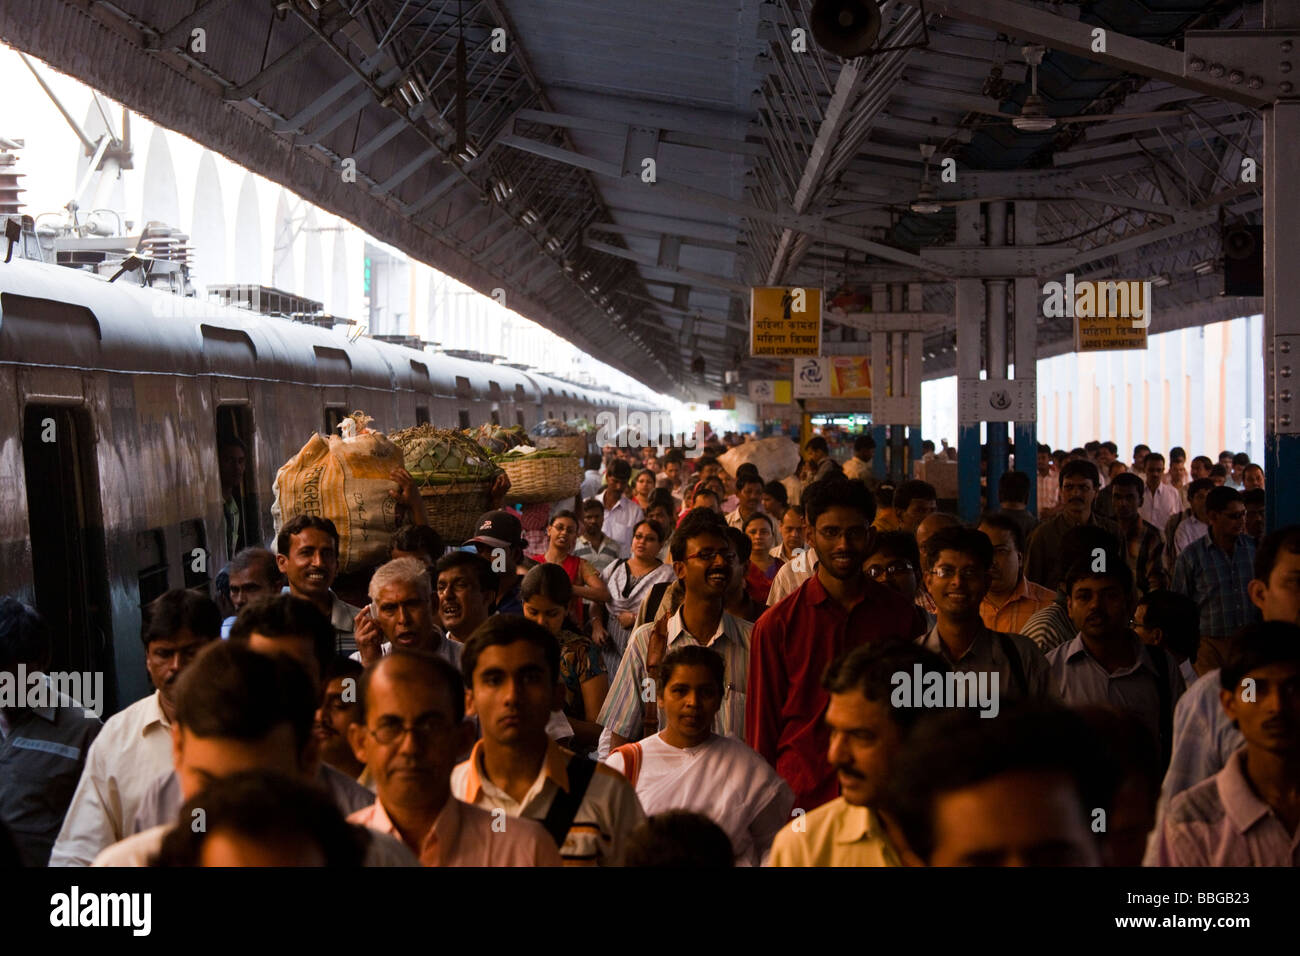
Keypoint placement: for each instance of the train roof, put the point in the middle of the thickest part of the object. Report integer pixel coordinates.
(52, 315)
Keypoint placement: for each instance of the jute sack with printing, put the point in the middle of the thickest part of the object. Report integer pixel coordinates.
(345, 480)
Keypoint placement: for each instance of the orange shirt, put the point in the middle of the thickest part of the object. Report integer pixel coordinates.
(464, 835)
(1010, 616)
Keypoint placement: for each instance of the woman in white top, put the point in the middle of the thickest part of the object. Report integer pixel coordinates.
(628, 581)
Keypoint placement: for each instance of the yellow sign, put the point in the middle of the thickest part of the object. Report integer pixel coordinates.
(1105, 333)
(850, 376)
(785, 321)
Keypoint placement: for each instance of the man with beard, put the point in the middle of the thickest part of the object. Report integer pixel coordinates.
(1078, 482)
(867, 734)
(135, 746)
(704, 561)
(465, 590)
(412, 731)
(400, 615)
(307, 553)
(837, 609)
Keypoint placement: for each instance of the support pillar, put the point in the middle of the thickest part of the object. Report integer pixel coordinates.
(1281, 291)
(970, 313)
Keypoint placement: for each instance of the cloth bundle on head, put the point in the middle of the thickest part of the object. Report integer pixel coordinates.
(775, 457)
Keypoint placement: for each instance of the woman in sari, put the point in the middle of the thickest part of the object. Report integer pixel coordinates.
(628, 582)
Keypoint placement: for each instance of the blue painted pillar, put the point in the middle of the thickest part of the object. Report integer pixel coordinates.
(914, 438)
(878, 457)
(1027, 459)
(970, 315)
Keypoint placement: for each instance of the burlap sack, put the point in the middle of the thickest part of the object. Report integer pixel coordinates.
(346, 481)
(774, 457)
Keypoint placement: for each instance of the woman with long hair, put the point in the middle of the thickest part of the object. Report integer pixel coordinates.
(628, 581)
(643, 486)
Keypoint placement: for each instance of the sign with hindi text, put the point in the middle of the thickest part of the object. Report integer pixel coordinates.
(785, 321)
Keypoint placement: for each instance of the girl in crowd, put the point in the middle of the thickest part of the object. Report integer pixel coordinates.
(562, 533)
(547, 594)
(628, 581)
(762, 566)
(663, 513)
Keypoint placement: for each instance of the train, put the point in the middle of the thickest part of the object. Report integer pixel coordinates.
(115, 395)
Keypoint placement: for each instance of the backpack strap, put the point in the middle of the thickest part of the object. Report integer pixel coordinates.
(1161, 663)
(1017, 665)
(656, 649)
(631, 754)
(564, 808)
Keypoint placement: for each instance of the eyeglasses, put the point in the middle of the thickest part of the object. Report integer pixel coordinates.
(877, 571)
(945, 571)
(391, 731)
(708, 556)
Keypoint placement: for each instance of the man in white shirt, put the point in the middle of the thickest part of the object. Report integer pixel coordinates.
(135, 747)
(590, 477)
(1161, 501)
(791, 531)
(236, 710)
(687, 766)
(1196, 527)
(621, 512)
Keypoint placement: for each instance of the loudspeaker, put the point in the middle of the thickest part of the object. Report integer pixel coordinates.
(847, 28)
(1243, 260)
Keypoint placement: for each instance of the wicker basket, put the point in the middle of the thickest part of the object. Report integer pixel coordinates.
(454, 509)
(543, 479)
(573, 444)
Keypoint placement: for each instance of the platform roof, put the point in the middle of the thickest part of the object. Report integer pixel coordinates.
(771, 166)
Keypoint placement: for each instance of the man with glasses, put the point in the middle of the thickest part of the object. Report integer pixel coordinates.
(1214, 571)
(1012, 598)
(1079, 482)
(960, 564)
(135, 746)
(414, 729)
(837, 609)
(704, 562)
(895, 562)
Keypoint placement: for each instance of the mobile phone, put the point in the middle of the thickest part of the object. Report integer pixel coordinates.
(370, 609)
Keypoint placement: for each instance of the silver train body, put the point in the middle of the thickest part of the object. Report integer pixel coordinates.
(112, 396)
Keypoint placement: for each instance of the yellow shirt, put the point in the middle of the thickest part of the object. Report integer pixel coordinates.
(886, 520)
(835, 834)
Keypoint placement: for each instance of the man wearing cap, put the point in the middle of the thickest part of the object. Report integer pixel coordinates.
(621, 512)
(500, 539)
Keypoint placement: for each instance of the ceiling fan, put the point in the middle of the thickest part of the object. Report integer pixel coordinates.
(926, 202)
(1033, 116)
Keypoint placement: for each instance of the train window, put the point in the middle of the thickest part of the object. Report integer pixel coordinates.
(151, 564)
(333, 365)
(194, 555)
(463, 389)
(69, 570)
(519, 419)
(496, 417)
(241, 525)
(494, 391)
(464, 418)
(333, 415)
(421, 414)
(550, 391)
(520, 396)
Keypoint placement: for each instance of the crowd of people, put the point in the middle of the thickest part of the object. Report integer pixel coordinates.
(701, 668)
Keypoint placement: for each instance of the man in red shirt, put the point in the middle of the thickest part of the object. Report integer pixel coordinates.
(834, 611)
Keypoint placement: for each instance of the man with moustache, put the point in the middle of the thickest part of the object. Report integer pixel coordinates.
(465, 588)
(837, 609)
(867, 735)
(307, 554)
(253, 575)
(134, 748)
(1079, 482)
(401, 615)
(412, 730)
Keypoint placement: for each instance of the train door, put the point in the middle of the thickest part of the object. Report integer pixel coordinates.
(67, 536)
(241, 521)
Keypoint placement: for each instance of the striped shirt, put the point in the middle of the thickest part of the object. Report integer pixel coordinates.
(1217, 581)
(1050, 626)
(623, 704)
(606, 818)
